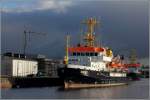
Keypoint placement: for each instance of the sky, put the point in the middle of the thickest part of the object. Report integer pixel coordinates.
(123, 25)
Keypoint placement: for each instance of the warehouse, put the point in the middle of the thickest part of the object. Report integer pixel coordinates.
(17, 66)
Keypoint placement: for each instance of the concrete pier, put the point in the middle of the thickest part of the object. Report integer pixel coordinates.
(6, 83)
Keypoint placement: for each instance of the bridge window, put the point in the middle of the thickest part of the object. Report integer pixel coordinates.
(91, 54)
(87, 54)
(96, 54)
(74, 54)
(78, 54)
(82, 54)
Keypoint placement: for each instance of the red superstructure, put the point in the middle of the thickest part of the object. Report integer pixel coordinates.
(85, 49)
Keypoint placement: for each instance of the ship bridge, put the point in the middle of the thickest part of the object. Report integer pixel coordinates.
(88, 54)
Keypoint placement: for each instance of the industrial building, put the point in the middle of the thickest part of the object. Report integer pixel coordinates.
(48, 67)
(16, 65)
(18, 70)
(19, 65)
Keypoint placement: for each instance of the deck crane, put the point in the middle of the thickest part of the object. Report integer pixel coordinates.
(25, 38)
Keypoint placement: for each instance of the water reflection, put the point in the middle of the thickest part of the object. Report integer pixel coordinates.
(135, 90)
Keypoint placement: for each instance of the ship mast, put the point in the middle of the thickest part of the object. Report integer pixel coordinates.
(89, 37)
(133, 56)
(67, 46)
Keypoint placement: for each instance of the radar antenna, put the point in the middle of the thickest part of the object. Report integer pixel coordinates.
(90, 35)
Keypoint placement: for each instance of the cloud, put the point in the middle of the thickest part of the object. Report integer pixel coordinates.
(58, 6)
(124, 26)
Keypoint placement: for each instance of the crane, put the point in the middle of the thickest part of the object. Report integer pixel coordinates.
(25, 38)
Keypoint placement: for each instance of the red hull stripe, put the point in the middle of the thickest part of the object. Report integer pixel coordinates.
(125, 65)
(132, 65)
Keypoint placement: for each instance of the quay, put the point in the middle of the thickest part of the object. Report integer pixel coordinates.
(6, 82)
(22, 82)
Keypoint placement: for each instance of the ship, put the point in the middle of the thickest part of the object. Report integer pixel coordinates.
(89, 64)
(133, 67)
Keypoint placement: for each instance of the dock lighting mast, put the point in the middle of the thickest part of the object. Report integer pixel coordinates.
(90, 35)
(25, 38)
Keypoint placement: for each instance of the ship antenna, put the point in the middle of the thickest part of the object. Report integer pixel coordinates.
(90, 35)
(81, 31)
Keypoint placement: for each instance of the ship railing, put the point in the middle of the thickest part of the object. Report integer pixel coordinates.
(100, 58)
(79, 59)
(96, 58)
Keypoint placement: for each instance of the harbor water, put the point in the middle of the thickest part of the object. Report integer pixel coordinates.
(135, 90)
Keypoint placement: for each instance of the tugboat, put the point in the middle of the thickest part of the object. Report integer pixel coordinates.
(91, 65)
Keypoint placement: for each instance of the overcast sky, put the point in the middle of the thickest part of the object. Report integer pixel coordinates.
(124, 24)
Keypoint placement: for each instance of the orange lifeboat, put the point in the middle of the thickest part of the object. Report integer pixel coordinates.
(115, 65)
